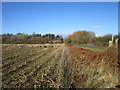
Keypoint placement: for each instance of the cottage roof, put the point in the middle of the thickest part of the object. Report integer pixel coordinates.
(59, 38)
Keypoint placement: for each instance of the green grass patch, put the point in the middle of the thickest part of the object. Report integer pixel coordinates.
(89, 46)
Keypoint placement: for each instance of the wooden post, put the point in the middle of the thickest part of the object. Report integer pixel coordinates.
(112, 38)
(110, 43)
(116, 42)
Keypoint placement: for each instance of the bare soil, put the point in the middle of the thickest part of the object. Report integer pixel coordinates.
(58, 66)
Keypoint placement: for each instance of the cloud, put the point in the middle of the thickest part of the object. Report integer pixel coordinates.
(100, 34)
(63, 34)
(97, 27)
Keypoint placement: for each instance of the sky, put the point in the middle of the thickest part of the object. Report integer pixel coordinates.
(60, 17)
(60, 0)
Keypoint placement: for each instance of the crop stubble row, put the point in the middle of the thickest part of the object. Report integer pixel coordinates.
(34, 69)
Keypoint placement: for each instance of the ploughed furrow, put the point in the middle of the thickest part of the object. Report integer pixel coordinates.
(38, 71)
(21, 59)
(63, 69)
(8, 54)
(7, 47)
(18, 69)
(29, 64)
(17, 53)
(46, 67)
(67, 81)
(41, 79)
(25, 62)
(17, 50)
(52, 78)
(18, 62)
(10, 50)
(53, 73)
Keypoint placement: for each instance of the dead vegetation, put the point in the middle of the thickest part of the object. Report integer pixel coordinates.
(33, 66)
(94, 69)
(58, 66)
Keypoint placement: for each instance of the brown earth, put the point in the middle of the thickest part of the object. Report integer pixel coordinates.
(58, 66)
(90, 64)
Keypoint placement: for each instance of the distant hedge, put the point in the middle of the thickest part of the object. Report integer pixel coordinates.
(21, 38)
(86, 37)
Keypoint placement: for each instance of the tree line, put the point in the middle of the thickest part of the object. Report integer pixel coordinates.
(79, 37)
(87, 37)
(21, 38)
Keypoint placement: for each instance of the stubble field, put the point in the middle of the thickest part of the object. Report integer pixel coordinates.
(57, 66)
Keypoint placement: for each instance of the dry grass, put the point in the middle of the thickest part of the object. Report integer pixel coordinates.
(55, 65)
(33, 65)
(94, 69)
